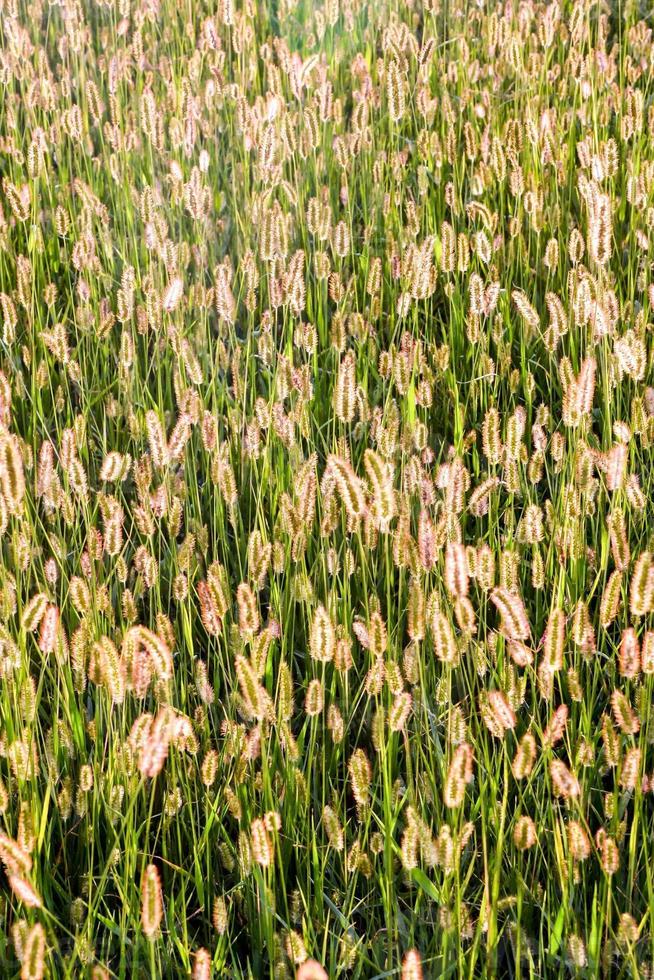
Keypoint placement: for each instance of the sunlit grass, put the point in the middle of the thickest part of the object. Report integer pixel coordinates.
(327, 579)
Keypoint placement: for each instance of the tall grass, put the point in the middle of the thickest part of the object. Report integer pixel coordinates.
(326, 427)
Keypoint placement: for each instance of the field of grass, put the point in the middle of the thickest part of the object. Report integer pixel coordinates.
(326, 478)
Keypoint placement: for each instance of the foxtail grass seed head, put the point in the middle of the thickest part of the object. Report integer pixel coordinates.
(578, 842)
(445, 646)
(497, 713)
(459, 774)
(513, 617)
(611, 599)
(412, 966)
(24, 892)
(524, 833)
(151, 901)
(395, 92)
(33, 954)
(641, 586)
(322, 638)
(629, 656)
(360, 771)
(311, 970)
(202, 965)
(333, 828)
(564, 783)
(609, 855)
(625, 717)
(525, 756)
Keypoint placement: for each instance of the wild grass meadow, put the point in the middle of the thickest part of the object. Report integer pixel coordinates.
(326, 479)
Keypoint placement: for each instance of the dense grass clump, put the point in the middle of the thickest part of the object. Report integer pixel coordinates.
(326, 486)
